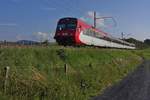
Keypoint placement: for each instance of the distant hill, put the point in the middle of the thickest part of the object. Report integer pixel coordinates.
(27, 42)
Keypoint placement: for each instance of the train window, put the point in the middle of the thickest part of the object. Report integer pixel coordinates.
(61, 27)
(90, 32)
(66, 26)
(85, 32)
(71, 26)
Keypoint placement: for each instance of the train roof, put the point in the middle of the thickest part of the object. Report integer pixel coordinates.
(65, 18)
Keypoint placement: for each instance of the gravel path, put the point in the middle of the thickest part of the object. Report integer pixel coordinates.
(136, 86)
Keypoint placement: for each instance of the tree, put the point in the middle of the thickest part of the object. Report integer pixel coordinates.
(147, 41)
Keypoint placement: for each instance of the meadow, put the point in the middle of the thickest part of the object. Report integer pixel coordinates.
(63, 73)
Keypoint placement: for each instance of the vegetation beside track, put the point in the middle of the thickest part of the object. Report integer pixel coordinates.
(64, 73)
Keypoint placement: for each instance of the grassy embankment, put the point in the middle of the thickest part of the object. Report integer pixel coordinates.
(37, 73)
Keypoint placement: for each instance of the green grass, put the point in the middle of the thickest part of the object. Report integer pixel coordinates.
(37, 73)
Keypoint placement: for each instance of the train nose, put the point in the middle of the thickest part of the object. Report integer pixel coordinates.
(65, 39)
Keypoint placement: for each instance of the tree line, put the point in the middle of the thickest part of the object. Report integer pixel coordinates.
(139, 44)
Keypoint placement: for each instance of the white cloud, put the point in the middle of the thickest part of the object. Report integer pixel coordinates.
(36, 36)
(41, 36)
(90, 14)
(51, 38)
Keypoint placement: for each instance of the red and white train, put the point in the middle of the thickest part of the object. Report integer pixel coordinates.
(73, 31)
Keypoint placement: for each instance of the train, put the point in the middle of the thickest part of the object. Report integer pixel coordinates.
(75, 32)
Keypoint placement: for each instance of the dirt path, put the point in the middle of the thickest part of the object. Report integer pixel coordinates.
(136, 86)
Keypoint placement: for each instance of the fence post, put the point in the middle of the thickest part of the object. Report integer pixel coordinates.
(6, 78)
(65, 68)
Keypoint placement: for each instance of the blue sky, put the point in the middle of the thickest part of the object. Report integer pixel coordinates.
(30, 19)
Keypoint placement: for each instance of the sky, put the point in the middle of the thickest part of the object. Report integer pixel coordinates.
(37, 19)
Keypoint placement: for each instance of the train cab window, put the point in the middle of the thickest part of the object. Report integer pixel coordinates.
(61, 27)
(66, 26)
(71, 26)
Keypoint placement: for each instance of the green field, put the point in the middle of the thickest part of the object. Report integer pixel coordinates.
(38, 73)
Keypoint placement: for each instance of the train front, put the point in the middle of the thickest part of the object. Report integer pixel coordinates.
(65, 31)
